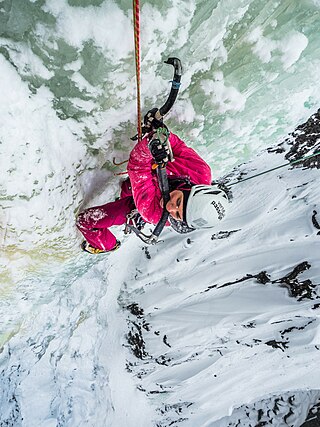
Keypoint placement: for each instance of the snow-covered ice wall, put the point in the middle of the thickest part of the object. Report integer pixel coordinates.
(219, 328)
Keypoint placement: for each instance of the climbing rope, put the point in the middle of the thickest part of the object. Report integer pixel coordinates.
(114, 161)
(293, 162)
(136, 22)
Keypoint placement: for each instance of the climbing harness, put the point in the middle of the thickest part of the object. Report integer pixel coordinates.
(293, 162)
(153, 238)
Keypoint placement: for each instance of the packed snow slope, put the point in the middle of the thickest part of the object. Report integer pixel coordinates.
(215, 328)
(224, 325)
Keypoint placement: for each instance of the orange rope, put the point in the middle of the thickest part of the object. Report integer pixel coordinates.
(136, 22)
(114, 161)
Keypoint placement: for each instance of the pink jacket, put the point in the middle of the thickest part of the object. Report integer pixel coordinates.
(145, 187)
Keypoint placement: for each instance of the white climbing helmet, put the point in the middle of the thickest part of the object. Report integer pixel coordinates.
(207, 205)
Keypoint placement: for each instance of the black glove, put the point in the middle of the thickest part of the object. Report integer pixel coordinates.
(153, 119)
(160, 151)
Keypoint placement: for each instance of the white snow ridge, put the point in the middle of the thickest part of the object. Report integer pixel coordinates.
(224, 326)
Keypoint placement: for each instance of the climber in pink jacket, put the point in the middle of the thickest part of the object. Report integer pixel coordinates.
(194, 203)
(187, 165)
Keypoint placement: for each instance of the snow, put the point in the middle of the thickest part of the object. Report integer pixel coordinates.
(186, 321)
(104, 31)
(216, 328)
(225, 98)
(291, 46)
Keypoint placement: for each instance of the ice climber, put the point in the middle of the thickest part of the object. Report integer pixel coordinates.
(194, 203)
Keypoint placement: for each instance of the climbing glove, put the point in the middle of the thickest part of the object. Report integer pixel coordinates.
(153, 119)
(160, 151)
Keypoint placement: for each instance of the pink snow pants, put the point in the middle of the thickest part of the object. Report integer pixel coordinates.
(94, 223)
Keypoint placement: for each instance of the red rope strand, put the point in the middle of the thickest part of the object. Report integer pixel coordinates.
(136, 22)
